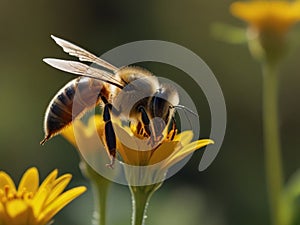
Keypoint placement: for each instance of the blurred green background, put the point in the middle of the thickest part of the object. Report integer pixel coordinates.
(231, 191)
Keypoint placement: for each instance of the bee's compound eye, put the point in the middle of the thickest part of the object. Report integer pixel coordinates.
(140, 108)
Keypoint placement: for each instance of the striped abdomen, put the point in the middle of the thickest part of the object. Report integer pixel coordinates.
(71, 102)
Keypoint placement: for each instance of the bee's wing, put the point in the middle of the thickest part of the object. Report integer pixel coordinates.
(82, 54)
(83, 70)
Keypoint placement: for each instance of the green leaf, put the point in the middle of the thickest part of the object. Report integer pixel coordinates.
(290, 199)
(228, 33)
(293, 185)
(294, 38)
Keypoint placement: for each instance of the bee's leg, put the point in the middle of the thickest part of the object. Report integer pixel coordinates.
(173, 131)
(139, 128)
(147, 126)
(145, 120)
(110, 136)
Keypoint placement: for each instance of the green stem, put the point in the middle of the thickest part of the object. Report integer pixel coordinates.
(272, 141)
(140, 201)
(100, 186)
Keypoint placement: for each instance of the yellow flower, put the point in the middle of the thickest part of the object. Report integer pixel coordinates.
(269, 22)
(276, 16)
(32, 204)
(135, 151)
(169, 150)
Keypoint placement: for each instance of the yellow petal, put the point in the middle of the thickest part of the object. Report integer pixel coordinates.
(68, 132)
(5, 180)
(29, 181)
(185, 151)
(95, 121)
(59, 203)
(43, 193)
(132, 149)
(134, 157)
(88, 135)
(49, 179)
(58, 188)
(164, 151)
(184, 137)
(82, 130)
(39, 200)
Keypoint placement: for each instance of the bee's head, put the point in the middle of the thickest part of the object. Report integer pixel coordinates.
(161, 107)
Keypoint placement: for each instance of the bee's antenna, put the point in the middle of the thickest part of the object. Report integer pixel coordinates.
(186, 108)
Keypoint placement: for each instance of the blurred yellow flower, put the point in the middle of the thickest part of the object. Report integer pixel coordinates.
(85, 130)
(267, 34)
(88, 134)
(32, 204)
(276, 16)
(269, 22)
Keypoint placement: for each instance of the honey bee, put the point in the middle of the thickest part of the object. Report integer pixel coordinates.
(131, 93)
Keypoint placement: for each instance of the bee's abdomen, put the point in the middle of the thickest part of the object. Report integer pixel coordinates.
(73, 100)
(60, 110)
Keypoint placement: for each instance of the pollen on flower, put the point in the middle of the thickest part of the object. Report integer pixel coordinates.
(9, 194)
